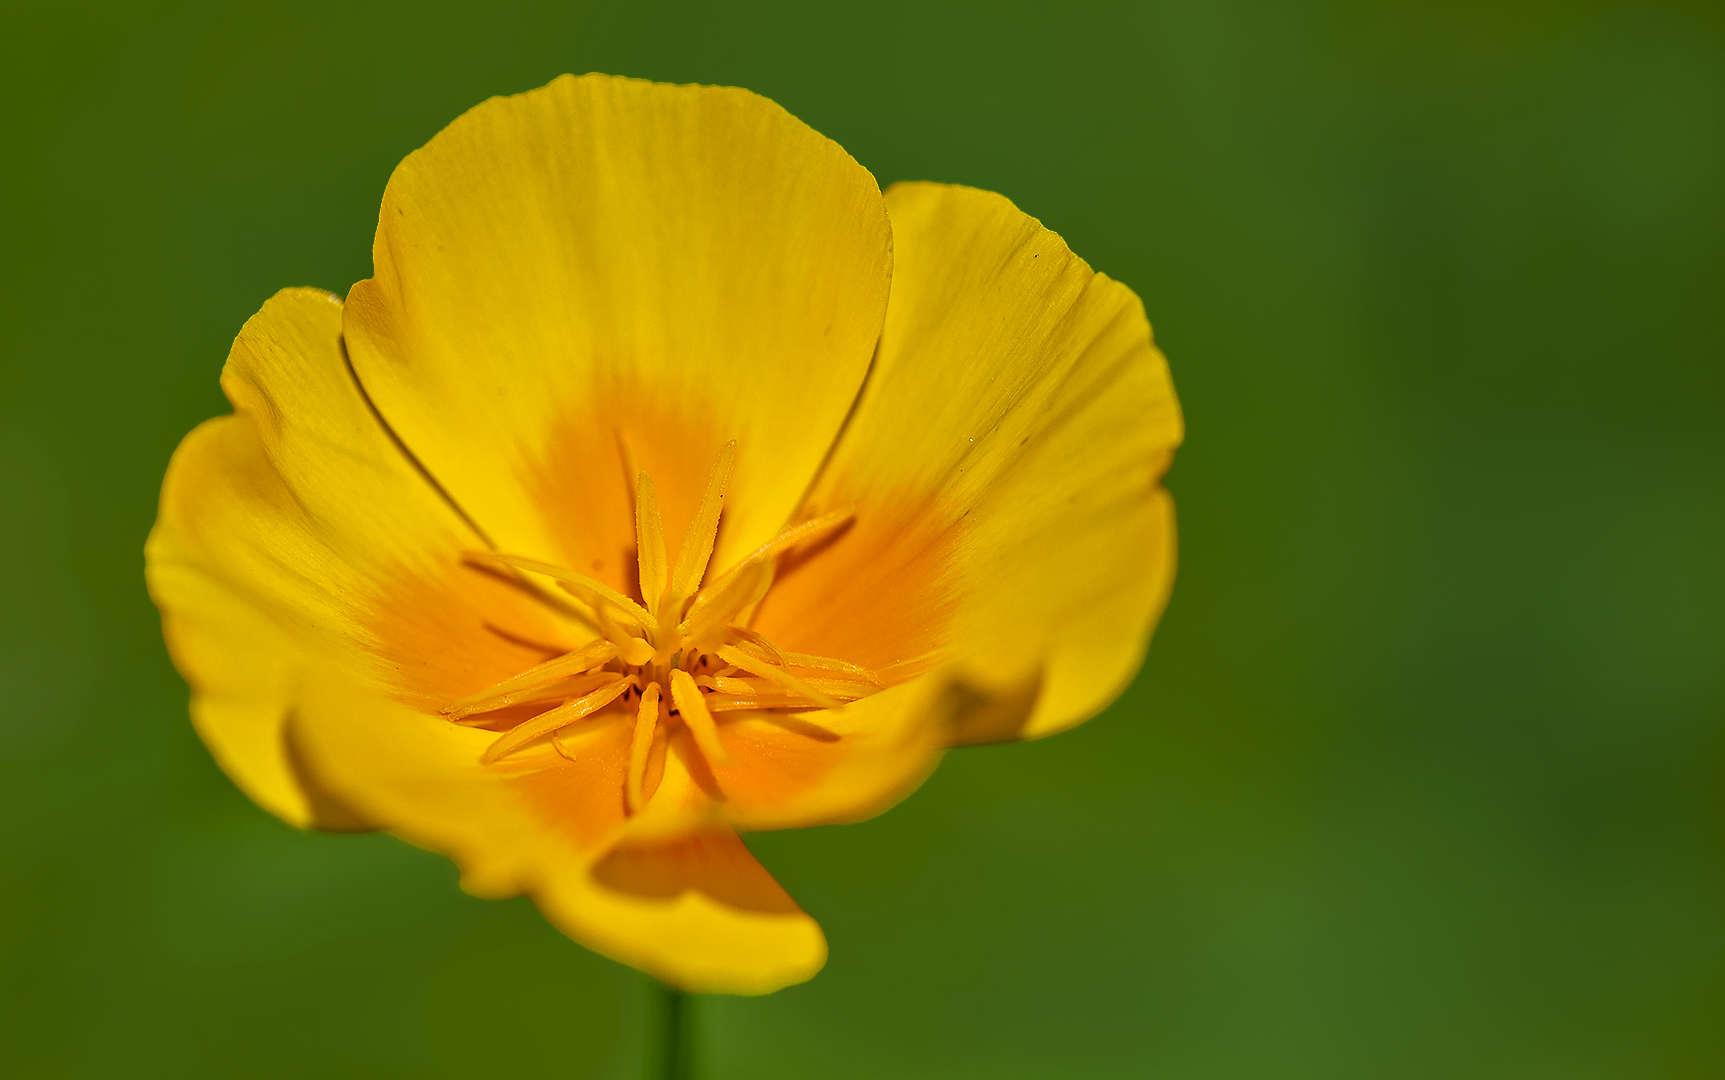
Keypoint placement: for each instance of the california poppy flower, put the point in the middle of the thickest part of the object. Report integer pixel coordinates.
(667, 481)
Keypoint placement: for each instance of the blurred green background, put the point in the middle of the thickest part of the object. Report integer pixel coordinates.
(1425, 776)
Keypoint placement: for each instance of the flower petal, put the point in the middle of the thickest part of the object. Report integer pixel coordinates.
(288, 537)
(240, 664)
(695, 910)
(606, 275)
(1018, 397)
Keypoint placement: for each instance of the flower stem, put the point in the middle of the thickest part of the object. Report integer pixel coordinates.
(670, 1059)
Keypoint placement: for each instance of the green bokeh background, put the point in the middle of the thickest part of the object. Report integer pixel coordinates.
(1425, 776)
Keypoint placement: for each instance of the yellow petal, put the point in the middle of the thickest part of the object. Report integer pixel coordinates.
(1018, 407)
(240, 664)
(696, 910)
(295, 534)
(606, 276)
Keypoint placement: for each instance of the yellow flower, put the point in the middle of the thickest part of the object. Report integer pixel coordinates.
(622, 511)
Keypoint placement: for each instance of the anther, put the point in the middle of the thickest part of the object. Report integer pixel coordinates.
(765, 670)
(635, 652)
(692, 707)
(547, 722)
(646, 716)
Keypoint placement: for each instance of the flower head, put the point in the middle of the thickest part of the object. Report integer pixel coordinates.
(667, 481)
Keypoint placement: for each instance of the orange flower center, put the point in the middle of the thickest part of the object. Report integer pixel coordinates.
(682, 654)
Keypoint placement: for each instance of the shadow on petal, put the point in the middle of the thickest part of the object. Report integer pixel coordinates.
(979, 717)
(714, 862)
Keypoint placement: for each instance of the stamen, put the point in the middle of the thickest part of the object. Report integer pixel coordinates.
(719, 603)
(754, 688)
(706, 663)
(477, 720)
(827, 663)
(631, 465)
(636, 651)
(608, 626)
(720, 703)
(763, 556)
(698, 540)
(771, 652)
(573, 686)
(755, 666)
(557, 741)
(589, 656)
(843, 689)
(649, 542)
(562, 716)
(691, 704)
(640, 743)
(813, 529)
(581, 585)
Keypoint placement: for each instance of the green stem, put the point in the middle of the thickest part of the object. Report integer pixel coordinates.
(672, 1061)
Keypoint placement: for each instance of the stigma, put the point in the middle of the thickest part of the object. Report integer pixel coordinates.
(681, 656)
